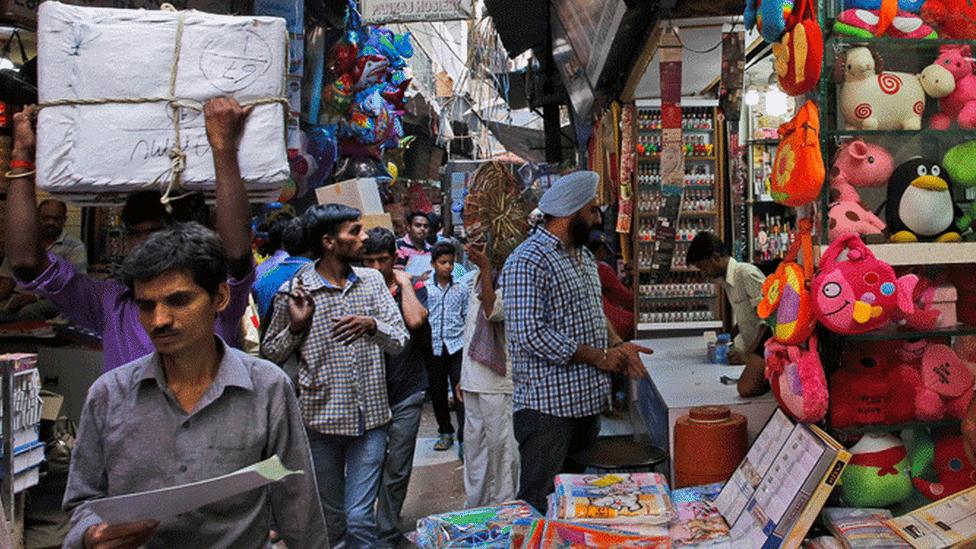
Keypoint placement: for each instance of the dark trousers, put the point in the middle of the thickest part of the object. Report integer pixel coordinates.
(545, 445)
(443, 368)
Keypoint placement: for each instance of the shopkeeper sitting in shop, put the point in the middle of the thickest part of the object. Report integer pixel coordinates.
(107, 306)
(618, 300)
(16, 305)
(193, 410)
(743, 284)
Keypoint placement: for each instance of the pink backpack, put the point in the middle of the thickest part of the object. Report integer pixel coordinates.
(861, 293)
(797, 379)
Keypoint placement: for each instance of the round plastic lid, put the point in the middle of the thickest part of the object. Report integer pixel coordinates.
(709, 414)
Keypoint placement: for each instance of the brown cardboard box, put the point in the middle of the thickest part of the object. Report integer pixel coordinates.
(361, 194)
(24, 12)
(377, 220)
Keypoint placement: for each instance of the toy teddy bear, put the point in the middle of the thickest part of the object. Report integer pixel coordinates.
(874, 99)
(946, 385)
(879, 389)
(858, 164)
(950, 79)
(953, 470)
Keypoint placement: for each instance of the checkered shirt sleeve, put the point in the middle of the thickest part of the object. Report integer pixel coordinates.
(552, 305)
(338, 382)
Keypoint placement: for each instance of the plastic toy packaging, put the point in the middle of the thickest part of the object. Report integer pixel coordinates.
(862, 528)
(698, 523)
(481, 528)
(613, 498)
(547, 534)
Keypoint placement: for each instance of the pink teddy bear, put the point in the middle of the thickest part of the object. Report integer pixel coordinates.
(951, 79)
(858, 164)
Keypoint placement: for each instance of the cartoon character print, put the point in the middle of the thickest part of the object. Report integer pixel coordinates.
(860, 294)
(619, 502)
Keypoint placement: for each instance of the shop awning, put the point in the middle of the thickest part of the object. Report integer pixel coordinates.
(522, 24)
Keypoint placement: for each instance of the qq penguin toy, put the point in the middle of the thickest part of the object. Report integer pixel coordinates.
(920, 205)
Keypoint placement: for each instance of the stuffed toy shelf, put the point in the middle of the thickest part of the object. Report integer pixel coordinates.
(896, 428)
(923, 253)
(901, 334)
(924, 134)
(899, 43)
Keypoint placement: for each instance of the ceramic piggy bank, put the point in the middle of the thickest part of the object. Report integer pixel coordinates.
(861, 293)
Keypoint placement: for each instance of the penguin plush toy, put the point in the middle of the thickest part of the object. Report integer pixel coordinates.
(920, 205)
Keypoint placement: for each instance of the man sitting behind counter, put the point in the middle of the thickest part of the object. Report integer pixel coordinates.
(743, 284)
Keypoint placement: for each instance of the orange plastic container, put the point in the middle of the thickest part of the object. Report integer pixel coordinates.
(709, 443)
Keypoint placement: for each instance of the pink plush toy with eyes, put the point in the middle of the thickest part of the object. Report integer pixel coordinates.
(861, 293)
(951, 79)
(858, 164)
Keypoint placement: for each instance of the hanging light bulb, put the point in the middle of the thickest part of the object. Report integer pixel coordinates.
(6, 64)
(752, 98)
(776, 102)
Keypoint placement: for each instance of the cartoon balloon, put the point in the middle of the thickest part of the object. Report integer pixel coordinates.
(322, 147)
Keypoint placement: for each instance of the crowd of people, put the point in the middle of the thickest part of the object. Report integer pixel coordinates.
(358, 329)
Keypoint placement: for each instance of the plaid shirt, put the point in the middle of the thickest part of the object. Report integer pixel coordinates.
(336, 382)
(448, 309)
(552, 305)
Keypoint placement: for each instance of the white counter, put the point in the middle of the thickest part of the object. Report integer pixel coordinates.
(681, 378)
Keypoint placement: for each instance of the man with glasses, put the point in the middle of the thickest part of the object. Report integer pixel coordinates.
(107, 306)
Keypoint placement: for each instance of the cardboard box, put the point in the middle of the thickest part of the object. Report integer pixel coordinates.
(362, 194)
(383, 220)
(91, 152)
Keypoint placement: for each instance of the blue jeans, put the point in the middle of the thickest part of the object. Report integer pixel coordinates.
(348, 473)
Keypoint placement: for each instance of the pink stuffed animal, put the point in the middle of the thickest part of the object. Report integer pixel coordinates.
(858, 164)
(951, 79)
(947, 385)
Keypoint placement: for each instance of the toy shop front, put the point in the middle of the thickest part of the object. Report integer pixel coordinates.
(829, 146)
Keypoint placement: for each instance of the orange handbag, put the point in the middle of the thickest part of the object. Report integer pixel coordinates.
(798, 170)
(787, 304)
(799, 55)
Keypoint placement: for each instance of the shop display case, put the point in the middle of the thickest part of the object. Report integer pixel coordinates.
(684, 299)
(885, 183)
(769, 225)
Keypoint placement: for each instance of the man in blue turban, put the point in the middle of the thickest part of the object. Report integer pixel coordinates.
(561, 347)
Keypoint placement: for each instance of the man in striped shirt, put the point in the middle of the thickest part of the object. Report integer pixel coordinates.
(340, 319)
(562, 349)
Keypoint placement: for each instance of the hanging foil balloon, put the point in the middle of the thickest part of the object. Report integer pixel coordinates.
(322, 147)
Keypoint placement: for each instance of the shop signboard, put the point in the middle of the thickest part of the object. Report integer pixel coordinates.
(409, 11)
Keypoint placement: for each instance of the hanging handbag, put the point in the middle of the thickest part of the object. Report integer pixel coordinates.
(859, 294)
(798, 170)
(799, 55)
(797, 379)
(786, 304)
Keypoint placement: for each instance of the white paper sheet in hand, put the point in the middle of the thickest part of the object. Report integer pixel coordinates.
(98, 53)
(169, 502)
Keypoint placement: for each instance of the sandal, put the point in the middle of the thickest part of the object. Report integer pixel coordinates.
(444, 442)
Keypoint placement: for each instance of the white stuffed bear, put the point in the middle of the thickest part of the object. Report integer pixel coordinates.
(877, 100)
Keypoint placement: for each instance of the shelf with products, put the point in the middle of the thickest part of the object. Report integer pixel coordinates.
(903, 334)
(691, 325)
(694, 119)
(680, 297)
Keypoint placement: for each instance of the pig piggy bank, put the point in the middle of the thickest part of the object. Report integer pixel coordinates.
(861, 293)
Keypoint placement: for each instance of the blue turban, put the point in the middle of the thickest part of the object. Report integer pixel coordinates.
(569, 194)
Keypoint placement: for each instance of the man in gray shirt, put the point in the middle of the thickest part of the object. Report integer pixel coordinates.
(193, 410)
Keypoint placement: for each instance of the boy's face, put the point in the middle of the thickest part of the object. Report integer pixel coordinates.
(444, 266)
(382, 262)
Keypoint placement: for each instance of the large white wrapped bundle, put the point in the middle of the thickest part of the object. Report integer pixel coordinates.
(108, 80)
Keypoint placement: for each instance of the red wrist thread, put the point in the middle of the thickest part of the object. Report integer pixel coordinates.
(21, 165)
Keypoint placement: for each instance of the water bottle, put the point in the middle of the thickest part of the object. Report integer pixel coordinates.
(722, 347)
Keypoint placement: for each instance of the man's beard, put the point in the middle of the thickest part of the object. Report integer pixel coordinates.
(579, 232)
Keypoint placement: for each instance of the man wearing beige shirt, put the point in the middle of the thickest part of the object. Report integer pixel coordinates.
(742, 283)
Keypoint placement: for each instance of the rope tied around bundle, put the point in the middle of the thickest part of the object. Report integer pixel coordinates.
(177, 156)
